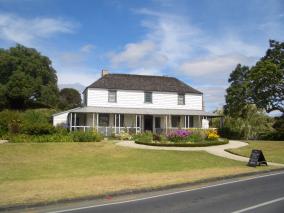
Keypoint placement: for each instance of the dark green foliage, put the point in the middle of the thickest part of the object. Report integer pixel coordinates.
(88, 136)
(237, 94)
(262, 85)
(195, 138)
(59, 136)
(273, 135)
(255, 123)
(69, 98)
(8, 119)
(266, 83)
(28, 122)
(38, 129)
(144, 137)
(27, 79)
(182, 144)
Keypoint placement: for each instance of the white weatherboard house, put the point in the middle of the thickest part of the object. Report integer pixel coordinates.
(136, 103)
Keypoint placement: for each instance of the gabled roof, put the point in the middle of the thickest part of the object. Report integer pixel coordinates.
(143, 82)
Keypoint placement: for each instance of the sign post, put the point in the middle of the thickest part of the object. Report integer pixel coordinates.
(256, 158)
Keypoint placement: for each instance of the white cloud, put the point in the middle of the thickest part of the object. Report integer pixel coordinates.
(213, 96)
(165, 44)
(213, 69)
(87, 48)
(141, 54)
(28, 30)
(82, 75)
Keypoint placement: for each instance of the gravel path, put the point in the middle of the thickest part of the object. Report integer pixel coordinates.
(218, 150)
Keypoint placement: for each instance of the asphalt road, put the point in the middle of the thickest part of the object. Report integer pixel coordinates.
(264, 193)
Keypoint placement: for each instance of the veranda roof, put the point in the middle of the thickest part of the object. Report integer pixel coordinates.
(142, 111)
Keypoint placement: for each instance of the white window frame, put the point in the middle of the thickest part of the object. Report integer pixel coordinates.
(183, 100)
(109, 96)
(145, 99)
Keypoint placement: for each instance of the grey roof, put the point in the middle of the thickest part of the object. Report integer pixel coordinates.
(142, 111)
(143, 82)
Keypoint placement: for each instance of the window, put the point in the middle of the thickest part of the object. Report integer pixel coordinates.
(148, 97)
(175, 121)
(157, 122)
(103, 119)
(85, 98)
(117, 120)
(181, 99)
(112, 96)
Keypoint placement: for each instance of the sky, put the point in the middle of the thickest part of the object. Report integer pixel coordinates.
(199, 42)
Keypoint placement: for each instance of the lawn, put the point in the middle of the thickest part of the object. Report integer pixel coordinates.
(32, 173)
(273, 150)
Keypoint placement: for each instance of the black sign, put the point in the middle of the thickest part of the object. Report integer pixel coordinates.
(256, 158)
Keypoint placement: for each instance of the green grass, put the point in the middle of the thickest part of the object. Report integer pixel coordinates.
(31, 173)
(273, 150)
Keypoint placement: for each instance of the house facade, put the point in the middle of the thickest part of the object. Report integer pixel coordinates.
(136, 103)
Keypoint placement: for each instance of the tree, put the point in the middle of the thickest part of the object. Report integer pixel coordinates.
(69, 98)
(267, 79)
(19, 90)
(35, 69)
(237, 94)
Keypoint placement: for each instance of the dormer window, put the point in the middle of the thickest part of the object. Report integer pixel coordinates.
(112, 96)
(181, 99)
(148, 97)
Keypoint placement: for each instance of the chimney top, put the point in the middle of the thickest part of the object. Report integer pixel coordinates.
(104, 72)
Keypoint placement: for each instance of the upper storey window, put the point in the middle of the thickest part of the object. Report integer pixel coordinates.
(148, 97)
(181, 99)
(112, 96)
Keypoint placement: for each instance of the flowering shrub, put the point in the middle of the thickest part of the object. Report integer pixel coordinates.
(180, 135)
(212, 135)
(124, 136)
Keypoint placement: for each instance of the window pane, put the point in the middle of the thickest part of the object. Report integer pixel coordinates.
(104, 120)
(181, 99)
(121, 119)
(148, 97)
(175, 121)
(157, 122)
(111, 96)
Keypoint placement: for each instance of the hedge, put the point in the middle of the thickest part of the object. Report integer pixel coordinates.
(200, 144)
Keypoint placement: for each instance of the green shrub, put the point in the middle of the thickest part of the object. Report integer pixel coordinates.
(88, 136)
(273, 135)
(56, 137)
(23, 138)
(188, 144)
(195, 138)
(38, 129)
(144, 137)
(123, 135)
(159, 137)
(10, 121)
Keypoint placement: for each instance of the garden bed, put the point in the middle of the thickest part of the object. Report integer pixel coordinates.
(185, 144)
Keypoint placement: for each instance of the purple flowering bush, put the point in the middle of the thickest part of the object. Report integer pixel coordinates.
(180, 135)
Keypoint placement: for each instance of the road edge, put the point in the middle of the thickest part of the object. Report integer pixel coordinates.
(135, 191)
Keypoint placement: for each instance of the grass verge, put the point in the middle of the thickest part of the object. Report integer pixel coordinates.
(273, 150)
(41, 173)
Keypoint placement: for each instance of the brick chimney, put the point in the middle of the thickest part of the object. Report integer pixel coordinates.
(104, 72)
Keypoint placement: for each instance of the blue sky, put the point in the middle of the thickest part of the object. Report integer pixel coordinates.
(199, 42)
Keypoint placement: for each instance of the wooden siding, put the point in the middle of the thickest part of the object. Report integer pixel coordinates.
(135, 99)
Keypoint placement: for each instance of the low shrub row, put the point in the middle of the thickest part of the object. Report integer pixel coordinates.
(88, 136)
(189, 137)
(187, 144)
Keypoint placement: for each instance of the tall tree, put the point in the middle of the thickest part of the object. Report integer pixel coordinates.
(267, 79)
(69, 98)
(237, 94)
(35, 69)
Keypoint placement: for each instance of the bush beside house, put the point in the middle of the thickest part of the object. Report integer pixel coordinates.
(35, 126)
